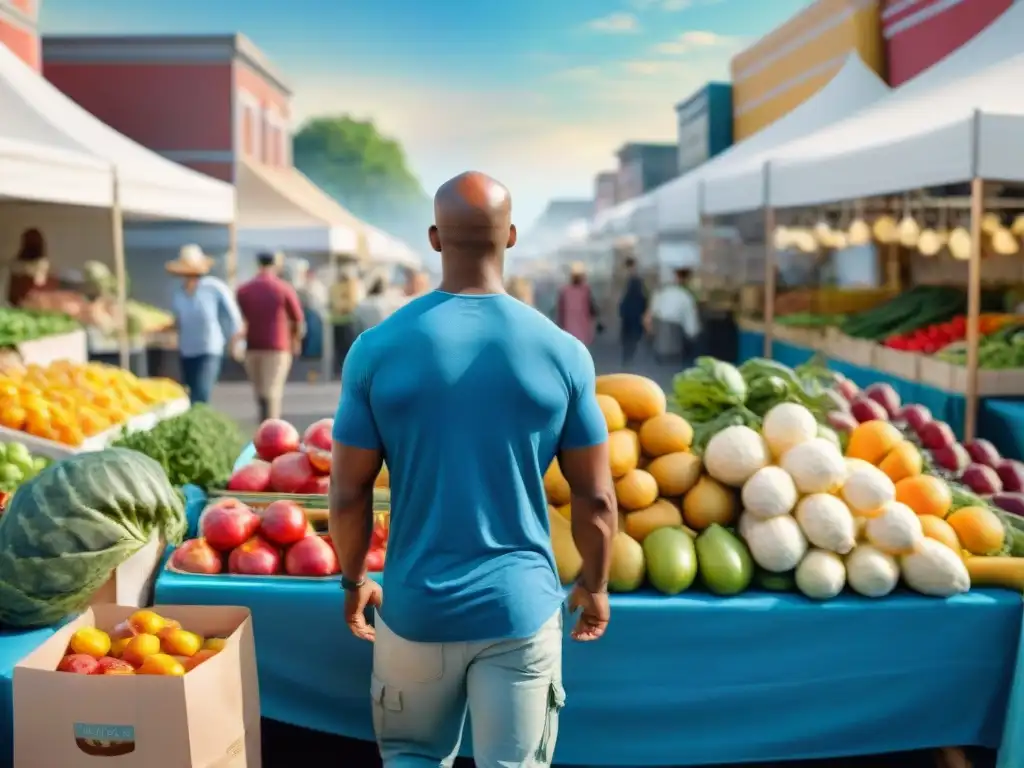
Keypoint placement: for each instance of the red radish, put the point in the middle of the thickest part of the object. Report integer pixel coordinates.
(290, 472)
(1011, 473)
(1010, 502)
(846, 388)
(937, 434)
(254, 477)
(916, 416)
(227, 523)
(311, 557)
(981, 479)
(275, 437)
(256, 557)
(283, 523)
(885, 396)
(865, 409)
(983, 452)
(842, 422)
(952, 458)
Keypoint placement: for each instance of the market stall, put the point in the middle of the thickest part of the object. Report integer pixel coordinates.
(787, 608)
(81, 221)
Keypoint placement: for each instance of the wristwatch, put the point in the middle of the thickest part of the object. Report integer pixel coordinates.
(351, 586)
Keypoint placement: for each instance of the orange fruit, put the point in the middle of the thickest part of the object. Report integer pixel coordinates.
(91, 642)
(161, 664)
(938, 529)
(140, 647)
(902, 462)
(117, 646)
(872, 441)
(12, 417)
(926, 495)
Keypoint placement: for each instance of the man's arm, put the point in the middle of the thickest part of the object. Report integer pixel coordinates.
(356, 459)
(583, 458)
(295, 313)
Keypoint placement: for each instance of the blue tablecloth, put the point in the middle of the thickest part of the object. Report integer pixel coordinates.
(692, 679)
(14, 646)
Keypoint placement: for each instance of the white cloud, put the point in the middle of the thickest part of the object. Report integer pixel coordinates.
(696, 40)
(615, 24)
(644, 68)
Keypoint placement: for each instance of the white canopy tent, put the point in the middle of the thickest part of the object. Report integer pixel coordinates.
(854, 86)
(281, 209)
(41, 174)
(389, 250)
(740, 184)
(962, 119)
(616, 220)
(34, 112)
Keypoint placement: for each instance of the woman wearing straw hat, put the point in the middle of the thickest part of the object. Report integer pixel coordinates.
(207, 319)
(577, 310)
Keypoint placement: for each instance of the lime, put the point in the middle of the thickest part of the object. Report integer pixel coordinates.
(10, 475)
(18, 454)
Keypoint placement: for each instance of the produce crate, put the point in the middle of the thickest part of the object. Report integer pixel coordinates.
(905, 365)
(746, 324)
(857, 351)
(953, 378)
(314, 506)
(49, 349)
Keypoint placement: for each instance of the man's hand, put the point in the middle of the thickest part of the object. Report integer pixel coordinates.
(368, 595)
(594, 613)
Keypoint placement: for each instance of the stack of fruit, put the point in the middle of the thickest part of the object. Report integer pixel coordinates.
(279, 541)
(287, 462)
(145, 644)
(17, 465)
(69, 402)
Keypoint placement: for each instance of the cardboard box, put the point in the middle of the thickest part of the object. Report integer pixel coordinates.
(131, 583)
(209, 718)
(905, 365)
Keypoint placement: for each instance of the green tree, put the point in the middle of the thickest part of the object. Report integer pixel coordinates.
(364, 170)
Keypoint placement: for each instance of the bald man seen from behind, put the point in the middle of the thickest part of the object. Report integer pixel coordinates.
(468, 395)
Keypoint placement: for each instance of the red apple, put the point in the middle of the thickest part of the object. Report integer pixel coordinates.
(846, 388)
(885, 396)
(290, 472)
(275, 437)
(283, 523)
(375, 560)
(197, 556)
(80, 664)
(983, 452)
(953, 458)
(317, 442)
(842, 422)
(937, 434)
(312, 556)
(256, 557)
(866, 409)
(916, 416)
(111, 666)
(227, 523)
(252, 478)
(317, 486)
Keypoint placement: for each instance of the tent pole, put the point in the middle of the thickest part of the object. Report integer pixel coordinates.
(231, 267)
(120, 274)
(974, 307)
(769, 263)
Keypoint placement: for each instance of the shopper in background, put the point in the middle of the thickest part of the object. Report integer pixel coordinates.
(375, 308)
(632, 309)
(577, 310)
(207, 319)
(275, 325)
(673, 319)
(521, 288)
(30, 270)
(345, 295)
(313, 297)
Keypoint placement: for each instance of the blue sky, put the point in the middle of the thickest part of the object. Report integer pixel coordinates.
(539, 93)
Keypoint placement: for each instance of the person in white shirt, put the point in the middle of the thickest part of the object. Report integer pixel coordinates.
(673, 319)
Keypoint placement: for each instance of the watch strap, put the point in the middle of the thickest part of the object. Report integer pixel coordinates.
(351, 586)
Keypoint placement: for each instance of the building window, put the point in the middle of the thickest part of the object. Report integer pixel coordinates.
(247, 133)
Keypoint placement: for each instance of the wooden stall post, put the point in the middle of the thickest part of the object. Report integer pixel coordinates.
(120, 274)
(974, 307)
(769, 265)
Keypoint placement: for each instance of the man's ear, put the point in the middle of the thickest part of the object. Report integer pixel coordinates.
(435, 238)
(512, 236)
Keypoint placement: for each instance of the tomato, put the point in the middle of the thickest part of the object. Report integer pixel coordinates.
(375, 560)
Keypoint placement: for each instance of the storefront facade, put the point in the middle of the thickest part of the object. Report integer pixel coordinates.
(704, 125)
(920, 33)
(205, 102)
(642, 167)
(792, 63)
(18, 29)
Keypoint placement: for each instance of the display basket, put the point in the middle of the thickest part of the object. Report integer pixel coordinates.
(315, 506)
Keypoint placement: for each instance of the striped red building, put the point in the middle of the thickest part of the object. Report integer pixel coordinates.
(918, 33)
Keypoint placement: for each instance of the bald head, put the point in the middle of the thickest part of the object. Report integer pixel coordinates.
(473, 215)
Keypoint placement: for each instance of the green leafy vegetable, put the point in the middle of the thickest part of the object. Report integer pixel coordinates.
(706, 390)
(198, 447)
(68, 528)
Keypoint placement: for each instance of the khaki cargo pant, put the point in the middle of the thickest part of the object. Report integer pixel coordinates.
(268, 372)
(512, 689)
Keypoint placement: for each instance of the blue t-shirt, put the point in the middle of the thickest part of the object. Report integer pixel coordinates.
(468, 397)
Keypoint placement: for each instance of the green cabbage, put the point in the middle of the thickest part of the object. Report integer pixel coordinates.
(68, 528)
